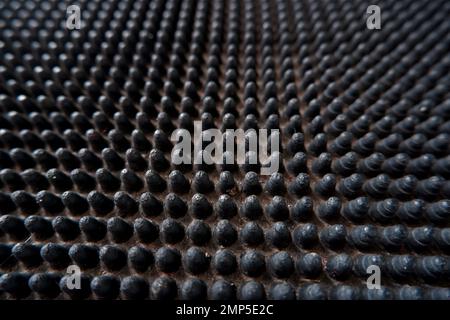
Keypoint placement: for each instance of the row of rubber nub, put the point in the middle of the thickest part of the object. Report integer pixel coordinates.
(398, 163)
(51, 285)
(362, 161)
(428, 137)
(365, 238)
(359, 210)
(364, 156)
(397, 132)
(194, 260)
(356, 172)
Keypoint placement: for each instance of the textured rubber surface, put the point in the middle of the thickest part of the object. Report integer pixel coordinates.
(86, 179)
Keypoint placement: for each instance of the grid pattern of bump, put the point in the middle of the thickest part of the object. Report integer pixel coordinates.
(86, 178)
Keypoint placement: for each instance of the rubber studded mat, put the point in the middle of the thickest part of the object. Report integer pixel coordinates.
(87, 179)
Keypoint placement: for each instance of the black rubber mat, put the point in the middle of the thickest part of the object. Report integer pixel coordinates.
(87, 177)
